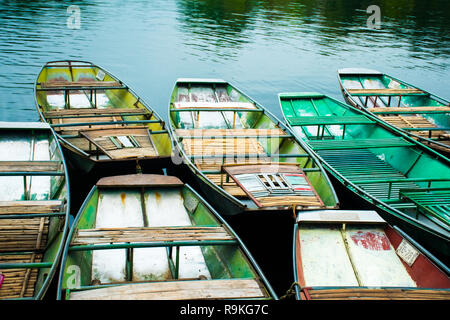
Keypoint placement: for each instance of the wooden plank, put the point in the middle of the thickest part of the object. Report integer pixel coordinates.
(229, 132)
(100, 138)
(152, 234)
(176, 290)
(29, 166)
(388, 92)
(83, 112)
(409, 109)
(84, 84)
(139, 180)
(32, 206)
(258, 168)
(214, 105)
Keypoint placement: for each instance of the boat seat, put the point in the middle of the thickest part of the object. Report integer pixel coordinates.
(358, 143)
(152, 234)
(431, 109)
(214, 105)
(376, 293)
(19, 282)
(30, 166)
(385, 92)
(433, 202)
(414, 122)
(66, 113)
(329, 120)
(79, 84)
(228, 133)
(139, 145)
(30, 207)
(176, 290)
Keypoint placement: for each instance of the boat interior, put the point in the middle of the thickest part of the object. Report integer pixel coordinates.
(356, 255)
(32, 209)
(151, 237)
(238, 147)
(400, 104)
(384, 164)
(98, 116)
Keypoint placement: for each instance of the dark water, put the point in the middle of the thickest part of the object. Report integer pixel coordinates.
(263, 47)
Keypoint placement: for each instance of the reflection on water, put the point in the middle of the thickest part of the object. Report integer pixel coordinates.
(264, 47)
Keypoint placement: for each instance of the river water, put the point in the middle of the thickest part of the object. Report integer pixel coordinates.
(263, 47)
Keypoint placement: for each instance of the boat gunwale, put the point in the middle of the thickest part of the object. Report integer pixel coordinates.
(351, 99)
(288, 131)
(241, 246)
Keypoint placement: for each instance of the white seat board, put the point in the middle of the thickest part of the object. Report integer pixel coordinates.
(324, 258)
(167, 209)
(116, 209)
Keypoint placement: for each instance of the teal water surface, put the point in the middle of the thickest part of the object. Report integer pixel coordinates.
(263, 47)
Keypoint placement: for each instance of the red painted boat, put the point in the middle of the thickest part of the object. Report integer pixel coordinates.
(342, 255)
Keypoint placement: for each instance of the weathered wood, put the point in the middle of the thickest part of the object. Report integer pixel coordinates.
(176, 290)
(152, 234)
(29, 166)
(214, 105)
(100, 138)
(84, 112)
(229, 132)
(139, 180)
(87, 84)
(31, 206)
(412, 109)
(384, 91)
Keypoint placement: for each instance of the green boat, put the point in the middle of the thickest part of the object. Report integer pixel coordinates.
(407, 182)
(99, 120)
(145, 237)
(241, 156)
(356, 255)
(34, 209)
(420, 114)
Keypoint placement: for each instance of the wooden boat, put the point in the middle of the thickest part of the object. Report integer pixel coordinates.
(98, 118)
(146, 236)
(242, 157)
(34, 209)
(417, 112)
(341, 255)
(407, 182)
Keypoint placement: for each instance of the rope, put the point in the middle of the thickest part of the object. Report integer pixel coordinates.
(291, 291)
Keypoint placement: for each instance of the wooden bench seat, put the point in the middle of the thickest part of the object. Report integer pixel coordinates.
(214, 105)
(76, 84)
(152, 234)
(385, 92)
(376, 294)
(431, 109)
(228, 132)
(31, 206)
(88, 112)
(176, 290)
(30, 166)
